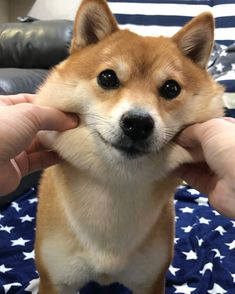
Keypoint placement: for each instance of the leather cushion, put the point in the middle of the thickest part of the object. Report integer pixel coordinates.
(38, 44)
(16, 80)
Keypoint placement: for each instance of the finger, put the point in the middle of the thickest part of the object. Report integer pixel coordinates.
(198, 176)
(199, 133)
(42, 160)
(16, 99)
(48, 118)
(197, 154)
(28, 163)
(36, 146)
(189, 137)
(229, 119)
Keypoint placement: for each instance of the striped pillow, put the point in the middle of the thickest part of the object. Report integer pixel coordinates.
(159, 17)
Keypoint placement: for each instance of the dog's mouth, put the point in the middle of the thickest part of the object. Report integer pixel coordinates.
(129, 149)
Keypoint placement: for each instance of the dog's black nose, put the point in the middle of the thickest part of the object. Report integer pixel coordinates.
(137, 125)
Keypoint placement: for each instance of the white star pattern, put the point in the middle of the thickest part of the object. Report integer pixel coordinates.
(176, 240)
(8, 286)
(217, 290)
(233, 66)
(223, 53)
(233, 223)
(231, 245)
(193, 192)
(187, 210)
(6, 229)
(16, 246)
(219, 67)
(29, 255)
(20, 242)
(208, 266)
(1, 216)
(200, 242)
(187, 229)
(190, 255)
(217, 254)
(26, 218)
(33, 287)
(205, 221)
(215, 212)
(4, 269)
(184, 289)
(33, 200)
(173, 270)
(202, 201)
(233, 276)
(221, 230)
(16, 206)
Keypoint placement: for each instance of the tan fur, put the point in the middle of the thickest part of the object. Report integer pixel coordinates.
(103, 216)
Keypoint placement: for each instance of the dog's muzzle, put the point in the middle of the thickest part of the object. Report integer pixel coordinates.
(137, 126)
(135, 134)
(136, 129)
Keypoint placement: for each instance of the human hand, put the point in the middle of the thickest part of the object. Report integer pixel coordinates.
(214, 142)
(20, 150)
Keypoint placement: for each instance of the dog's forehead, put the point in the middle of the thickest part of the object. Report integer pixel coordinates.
(130, 53)
(135, 50)
(125, 42)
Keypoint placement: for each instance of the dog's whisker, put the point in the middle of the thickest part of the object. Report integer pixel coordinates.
(107, 118)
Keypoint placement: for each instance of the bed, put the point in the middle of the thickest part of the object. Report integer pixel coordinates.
(204, 259)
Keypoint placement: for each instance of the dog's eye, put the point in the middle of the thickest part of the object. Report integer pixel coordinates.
(170, 90)
(108, 80)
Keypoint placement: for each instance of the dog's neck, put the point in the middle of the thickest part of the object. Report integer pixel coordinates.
(130, 212)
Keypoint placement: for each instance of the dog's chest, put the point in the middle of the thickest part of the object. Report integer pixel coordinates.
(113, 220)
(77, 267)
(106, 234)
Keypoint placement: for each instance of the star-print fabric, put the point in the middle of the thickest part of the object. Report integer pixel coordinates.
(204, 261)
(222, 66)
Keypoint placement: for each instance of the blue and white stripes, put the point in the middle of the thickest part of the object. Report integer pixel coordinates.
(158, 17)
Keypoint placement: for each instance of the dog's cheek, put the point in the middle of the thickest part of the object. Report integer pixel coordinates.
(48, 138)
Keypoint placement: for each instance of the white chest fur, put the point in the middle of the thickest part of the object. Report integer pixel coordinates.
(109, 224)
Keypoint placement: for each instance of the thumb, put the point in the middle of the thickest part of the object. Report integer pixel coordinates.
(47, 118)
(190, 136)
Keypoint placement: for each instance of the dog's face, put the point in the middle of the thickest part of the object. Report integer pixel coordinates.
(132, 93)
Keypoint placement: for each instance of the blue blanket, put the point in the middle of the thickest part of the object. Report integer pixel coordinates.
(204, 259)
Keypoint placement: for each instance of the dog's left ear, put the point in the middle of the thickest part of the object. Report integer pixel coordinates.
(196, 38)
(94, 21)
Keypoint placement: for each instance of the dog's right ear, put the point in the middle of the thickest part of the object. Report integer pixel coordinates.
(195, 39)
(94, 21)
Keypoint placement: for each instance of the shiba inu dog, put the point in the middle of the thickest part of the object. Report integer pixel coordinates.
(106, 211)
